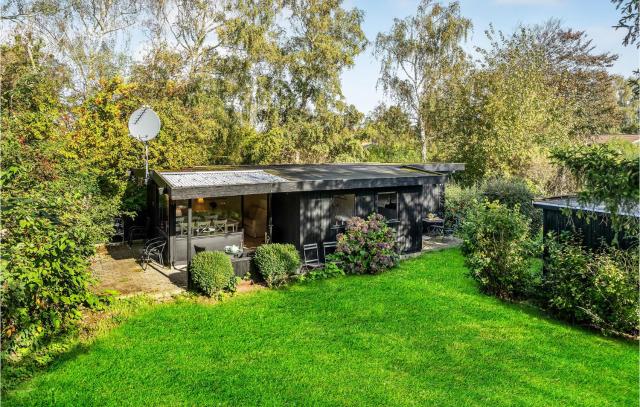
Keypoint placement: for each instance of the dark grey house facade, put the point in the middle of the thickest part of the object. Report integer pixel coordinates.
(299, 204)
(590, 224)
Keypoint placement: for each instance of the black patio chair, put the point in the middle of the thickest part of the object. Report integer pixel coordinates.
(153, 250)
(447, 229)
(311, 257)
(118, 227)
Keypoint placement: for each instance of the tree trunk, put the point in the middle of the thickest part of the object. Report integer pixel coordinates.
(423, 141)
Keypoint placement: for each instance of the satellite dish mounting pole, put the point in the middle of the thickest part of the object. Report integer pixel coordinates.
(146, 163)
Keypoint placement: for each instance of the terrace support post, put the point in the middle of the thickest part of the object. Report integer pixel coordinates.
(189, 233)
(269, 232)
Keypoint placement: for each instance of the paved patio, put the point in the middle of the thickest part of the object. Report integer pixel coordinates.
(116, 268)
(434, 243)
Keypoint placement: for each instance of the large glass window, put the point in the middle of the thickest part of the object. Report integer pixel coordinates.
(209, 216)
(342, 208)
(387, 205)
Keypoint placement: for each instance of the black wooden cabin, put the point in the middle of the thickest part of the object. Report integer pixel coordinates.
(300, 204)
(589, 224)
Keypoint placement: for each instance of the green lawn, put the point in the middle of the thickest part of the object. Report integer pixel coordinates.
(420, 334)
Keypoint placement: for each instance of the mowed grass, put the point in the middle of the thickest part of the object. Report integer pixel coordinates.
(420, 334)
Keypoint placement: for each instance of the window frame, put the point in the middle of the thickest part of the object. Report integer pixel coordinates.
(397, 205)
(331, 206)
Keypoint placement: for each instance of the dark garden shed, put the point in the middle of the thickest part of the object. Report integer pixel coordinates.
(245, 206)
(591, 224)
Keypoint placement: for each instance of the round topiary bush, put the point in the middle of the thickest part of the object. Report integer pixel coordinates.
(277, 262)
(212, 272)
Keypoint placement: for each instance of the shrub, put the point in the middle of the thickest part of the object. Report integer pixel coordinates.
(45, 282)
(511, 193)
(212, 272)
(496, 246)
(458, 201)
(598, 288)
(330, 270)
(277, 262)
(367, 246)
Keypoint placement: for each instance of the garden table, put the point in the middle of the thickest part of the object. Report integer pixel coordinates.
(432, 224)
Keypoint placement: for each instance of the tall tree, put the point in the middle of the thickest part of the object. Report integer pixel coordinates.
(629, 20)
(419, 55)
(580, 77)
(325, 39)
(504, 115)
(90, 36)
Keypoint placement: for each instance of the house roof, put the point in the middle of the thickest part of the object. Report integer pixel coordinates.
(605, 138)
(246, 180)
(572, 202)
(219, 178)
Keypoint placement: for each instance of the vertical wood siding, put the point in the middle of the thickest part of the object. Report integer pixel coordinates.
(590, 233)
(286, 213)
(315, 214)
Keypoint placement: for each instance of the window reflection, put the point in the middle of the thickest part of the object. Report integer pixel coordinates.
(342, 208)
(387, 205)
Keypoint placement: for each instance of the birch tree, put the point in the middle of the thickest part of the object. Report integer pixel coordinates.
(419, 55)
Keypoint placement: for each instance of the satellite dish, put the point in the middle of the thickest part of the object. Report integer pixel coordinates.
(144, 124)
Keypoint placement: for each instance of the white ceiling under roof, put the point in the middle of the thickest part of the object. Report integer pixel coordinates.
(219, 178)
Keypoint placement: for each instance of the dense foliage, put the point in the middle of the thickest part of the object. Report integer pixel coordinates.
(610, 176)
(368, 246)
(277, 262)
(496, 245)
(458, 200)
(597, 288)
(211, 272)
(329, 270)
(511, 192)
(514, 193)
(54, 210)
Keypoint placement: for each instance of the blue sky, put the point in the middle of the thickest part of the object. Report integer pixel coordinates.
(596, 17)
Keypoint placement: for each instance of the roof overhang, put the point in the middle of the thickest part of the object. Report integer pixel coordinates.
(279, 179)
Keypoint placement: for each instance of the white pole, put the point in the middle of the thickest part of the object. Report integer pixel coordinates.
(146, 163)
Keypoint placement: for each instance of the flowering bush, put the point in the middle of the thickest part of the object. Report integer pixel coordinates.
(367, 246)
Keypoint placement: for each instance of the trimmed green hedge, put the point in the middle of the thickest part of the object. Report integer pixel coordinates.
(277, 262)
(212, 272)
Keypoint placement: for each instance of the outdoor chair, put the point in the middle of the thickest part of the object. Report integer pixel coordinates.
(311, 257)
(153, 250)
(447, 229)
(329, 248)
(219, 226)
(182, 228)
(136, 232)
(118, 226)
(202, 228)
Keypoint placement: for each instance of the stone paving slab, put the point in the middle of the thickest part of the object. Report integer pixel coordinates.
(116, 268)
